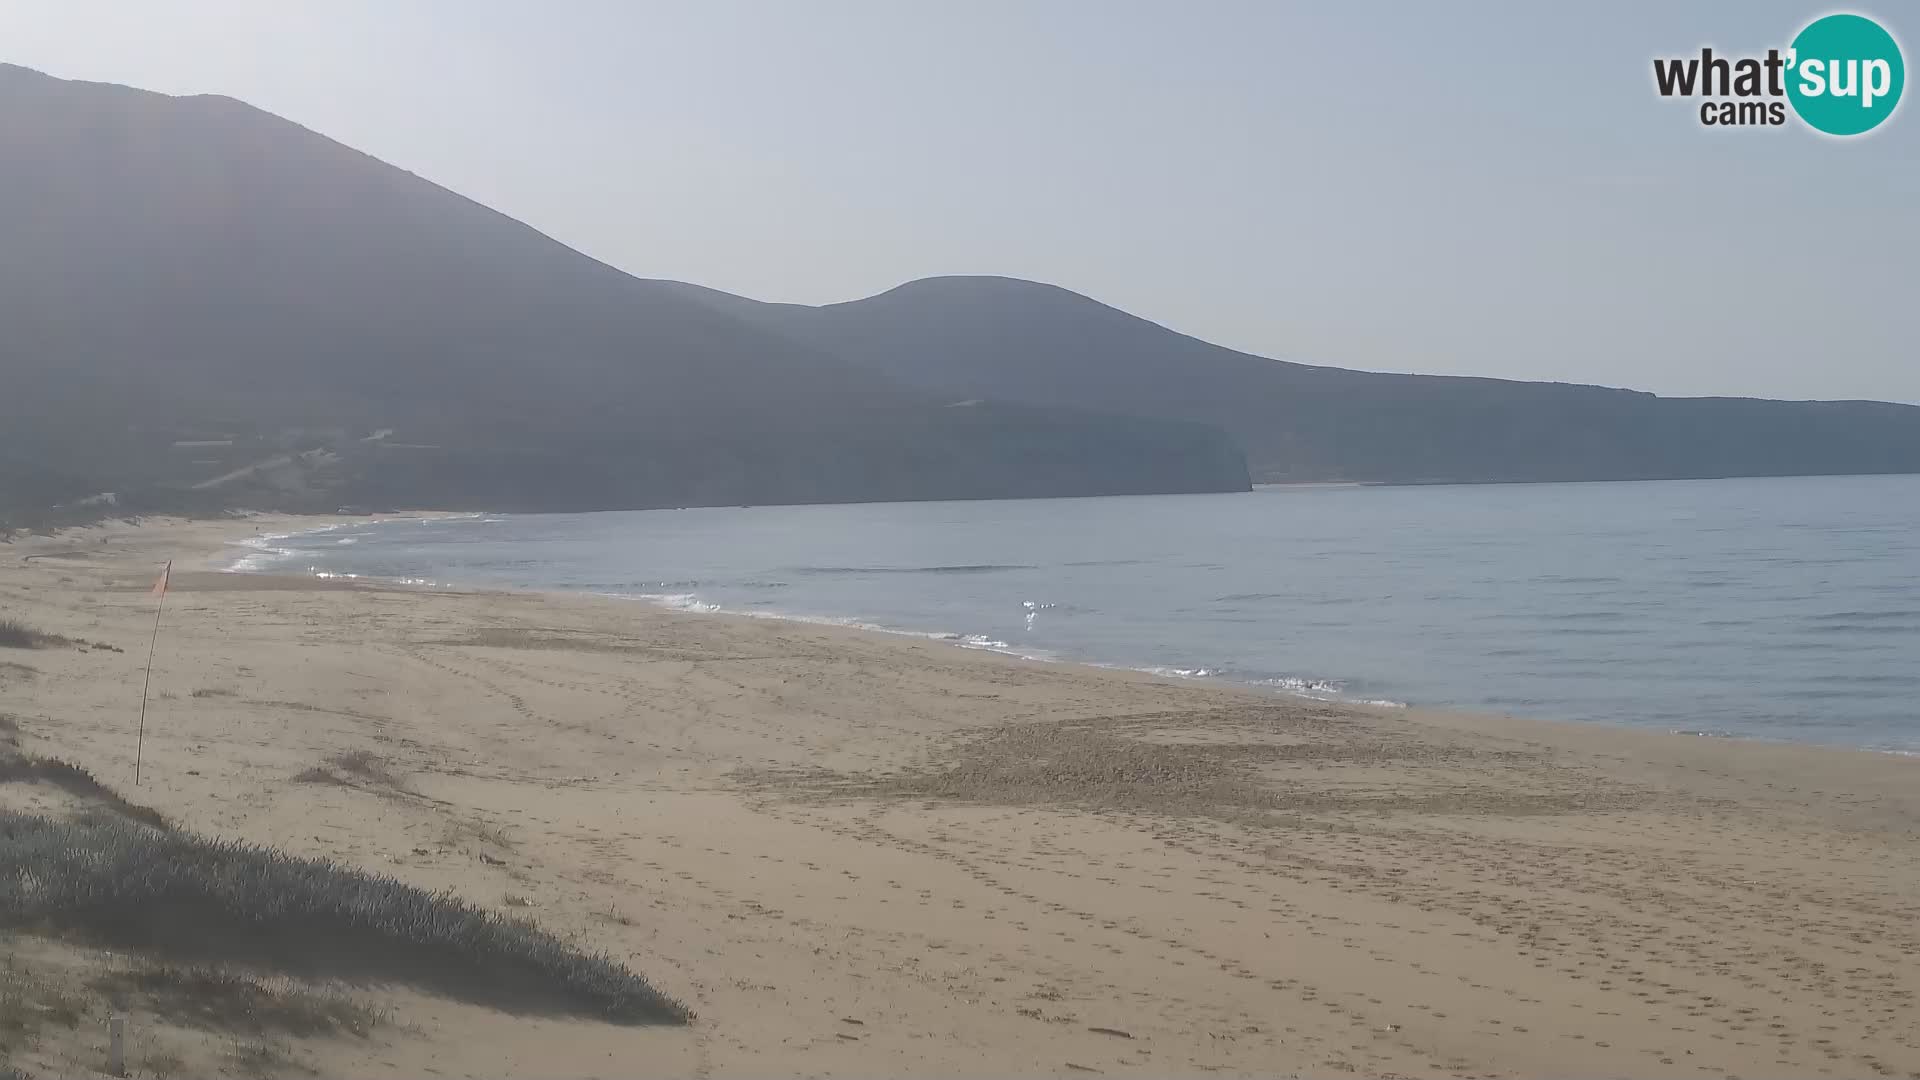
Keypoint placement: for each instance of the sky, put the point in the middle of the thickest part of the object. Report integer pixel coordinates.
(1481, 189)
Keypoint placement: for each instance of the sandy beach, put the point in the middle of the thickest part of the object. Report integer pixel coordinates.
(855, 854)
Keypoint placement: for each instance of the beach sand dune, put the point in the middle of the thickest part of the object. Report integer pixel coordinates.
(859, 855)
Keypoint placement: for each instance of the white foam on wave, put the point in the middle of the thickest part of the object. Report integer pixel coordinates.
(1294, 684)
(691, 603)
(1316, 689)
(678, 602)
(260, 552)
(263, 549)
(1324, 690)
(1179, 672)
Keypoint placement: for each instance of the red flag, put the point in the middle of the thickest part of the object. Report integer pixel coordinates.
(160, 583)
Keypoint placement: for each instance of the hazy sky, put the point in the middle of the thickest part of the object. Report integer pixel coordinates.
(1491, 191)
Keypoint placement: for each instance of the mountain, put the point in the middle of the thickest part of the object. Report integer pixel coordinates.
(1002, 338)
(196, 295)
(203, 304)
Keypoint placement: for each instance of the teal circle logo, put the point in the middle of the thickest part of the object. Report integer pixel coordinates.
(1845, 74)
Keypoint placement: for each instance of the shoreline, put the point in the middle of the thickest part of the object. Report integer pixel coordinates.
(866, 855)
(855, 623)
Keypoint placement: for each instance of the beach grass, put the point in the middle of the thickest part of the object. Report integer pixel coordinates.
(119, 883)
(15, 634)
(216, 999)
(75, 781)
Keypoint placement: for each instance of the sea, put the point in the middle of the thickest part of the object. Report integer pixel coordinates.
(1780, 609)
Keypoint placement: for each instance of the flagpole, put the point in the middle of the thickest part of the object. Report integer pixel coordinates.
(140, 745)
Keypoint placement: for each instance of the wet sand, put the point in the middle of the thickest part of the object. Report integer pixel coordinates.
(862, 855)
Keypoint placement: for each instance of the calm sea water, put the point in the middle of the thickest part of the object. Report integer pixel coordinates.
(1767, 608)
